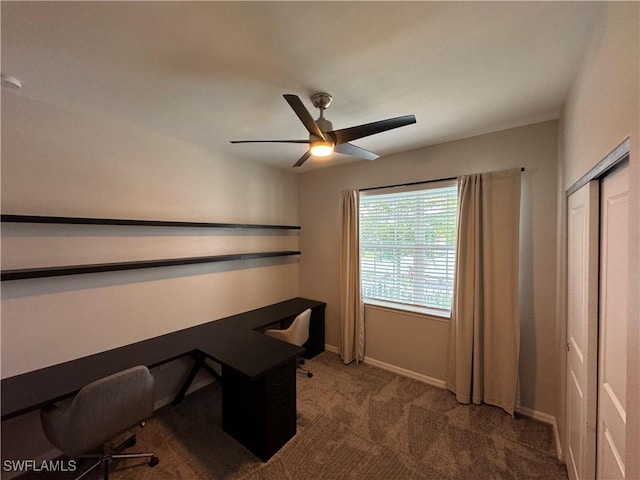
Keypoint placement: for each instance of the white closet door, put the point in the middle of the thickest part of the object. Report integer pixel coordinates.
(582, 330)
(612, 381)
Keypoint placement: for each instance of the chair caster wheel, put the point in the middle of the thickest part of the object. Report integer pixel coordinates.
(153, 461)
(130, 443)
(309, 375)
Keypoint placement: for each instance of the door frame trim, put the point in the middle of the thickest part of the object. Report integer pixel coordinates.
(616, 156)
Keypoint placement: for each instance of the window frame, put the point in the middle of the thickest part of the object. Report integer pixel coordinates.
(427, 311)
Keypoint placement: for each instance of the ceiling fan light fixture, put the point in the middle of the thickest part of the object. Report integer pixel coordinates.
(321, 148)
(324, 140)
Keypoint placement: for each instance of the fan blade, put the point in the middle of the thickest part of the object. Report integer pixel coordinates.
(268, 141)
(352, 133)
(355, 151)
(303, 159)
(304, 115)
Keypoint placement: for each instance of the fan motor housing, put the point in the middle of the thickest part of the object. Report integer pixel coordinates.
(324, 125)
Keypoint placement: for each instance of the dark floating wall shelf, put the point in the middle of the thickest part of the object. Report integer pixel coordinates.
(27, 273)
(41, 272)
(143, 223)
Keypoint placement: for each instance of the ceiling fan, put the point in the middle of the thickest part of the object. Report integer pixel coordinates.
(323, 140)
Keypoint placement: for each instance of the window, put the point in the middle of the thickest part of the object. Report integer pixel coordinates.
(408, 247)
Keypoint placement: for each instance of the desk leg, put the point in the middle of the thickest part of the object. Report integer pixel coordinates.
(200, 361)
(315, 344)
(260, 413)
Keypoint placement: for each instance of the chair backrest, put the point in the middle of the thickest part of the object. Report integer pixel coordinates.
(298, 332)
(100, 411)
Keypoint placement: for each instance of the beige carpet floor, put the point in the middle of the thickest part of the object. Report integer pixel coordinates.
(354, 422)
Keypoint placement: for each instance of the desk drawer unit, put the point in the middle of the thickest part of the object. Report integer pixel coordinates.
(260, 413)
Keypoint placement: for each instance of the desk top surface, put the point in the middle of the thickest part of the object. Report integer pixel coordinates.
(231, 341)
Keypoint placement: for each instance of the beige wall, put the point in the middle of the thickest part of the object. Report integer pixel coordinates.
(420, 344)
(59, 162)
(600, 112)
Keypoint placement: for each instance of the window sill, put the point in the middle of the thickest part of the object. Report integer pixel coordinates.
(408, 310)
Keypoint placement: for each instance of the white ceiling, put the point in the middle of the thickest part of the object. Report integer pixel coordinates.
(210, 72)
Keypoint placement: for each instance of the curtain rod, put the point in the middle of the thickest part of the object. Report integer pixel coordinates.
(414, 183)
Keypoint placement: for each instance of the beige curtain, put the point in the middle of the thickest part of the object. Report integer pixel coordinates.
(485, 320)
(351, 307)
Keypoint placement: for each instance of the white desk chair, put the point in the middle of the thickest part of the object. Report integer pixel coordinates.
(297, 334)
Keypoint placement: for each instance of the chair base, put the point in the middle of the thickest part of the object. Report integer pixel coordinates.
(107, 458)
(299, 366)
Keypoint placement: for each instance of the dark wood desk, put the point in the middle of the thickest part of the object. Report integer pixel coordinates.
(259, 376)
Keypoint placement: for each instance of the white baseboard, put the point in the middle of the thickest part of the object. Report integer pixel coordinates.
(546, 418)
(399, 370)
(331, 348)
(536, 415)
(436, 382)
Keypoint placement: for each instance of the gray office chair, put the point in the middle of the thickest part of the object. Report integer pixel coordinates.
(297, 334)
(98, 413)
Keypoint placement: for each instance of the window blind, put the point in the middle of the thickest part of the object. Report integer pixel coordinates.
(407, 246)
